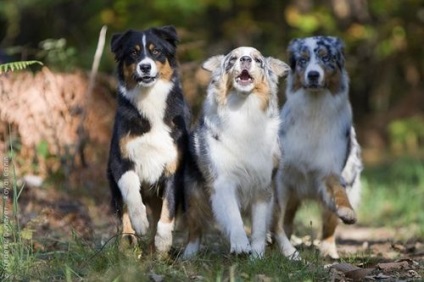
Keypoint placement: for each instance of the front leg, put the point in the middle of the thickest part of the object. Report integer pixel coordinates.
(283, 196)
(261, 218)
(129, 185)
(336, 198)
(226, 209)
(165, 225)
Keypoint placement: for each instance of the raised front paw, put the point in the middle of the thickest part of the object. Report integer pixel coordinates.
(347, 215)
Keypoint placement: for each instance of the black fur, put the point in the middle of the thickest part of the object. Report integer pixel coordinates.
(129, 121)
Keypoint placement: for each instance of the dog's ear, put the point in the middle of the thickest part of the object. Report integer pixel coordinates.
(292, 50)
(213, 63)
(280, 68)
(117, 43)
(340, 53)
(168, 32)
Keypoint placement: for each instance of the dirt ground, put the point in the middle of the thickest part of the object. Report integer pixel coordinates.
(50, 217)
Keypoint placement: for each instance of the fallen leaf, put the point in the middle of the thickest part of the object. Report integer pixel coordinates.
(390, 266)
(359, 274)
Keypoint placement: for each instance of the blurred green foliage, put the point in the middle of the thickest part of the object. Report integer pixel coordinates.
(383, 38)
(406, 134)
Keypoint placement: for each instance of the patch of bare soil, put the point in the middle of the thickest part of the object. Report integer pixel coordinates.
(377, 255)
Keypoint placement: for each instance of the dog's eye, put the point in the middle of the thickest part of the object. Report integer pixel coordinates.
(134, 53)
(259, 61)
(303, 61)
(326, 58)
(155, 51)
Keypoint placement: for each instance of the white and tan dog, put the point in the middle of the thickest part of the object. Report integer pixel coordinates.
(234, 151)
(320, 154)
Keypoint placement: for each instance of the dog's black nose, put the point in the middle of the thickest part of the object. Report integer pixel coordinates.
(313, 75)
(245, 59)
(145, 68)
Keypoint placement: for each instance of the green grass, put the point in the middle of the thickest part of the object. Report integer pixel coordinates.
(393, 195)
(80, 261)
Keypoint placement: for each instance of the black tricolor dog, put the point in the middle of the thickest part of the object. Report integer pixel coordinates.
(150, 134)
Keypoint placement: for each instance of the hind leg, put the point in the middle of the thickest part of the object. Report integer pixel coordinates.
(328, 243)
(289, 215)
(196, 203)
(193, 244)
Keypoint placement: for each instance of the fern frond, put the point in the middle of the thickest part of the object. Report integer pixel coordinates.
(15, 66)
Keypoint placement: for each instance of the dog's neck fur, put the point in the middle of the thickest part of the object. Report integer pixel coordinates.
(319, 104)
(148, 100)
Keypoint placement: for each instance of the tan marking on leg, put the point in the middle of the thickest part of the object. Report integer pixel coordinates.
(339, 196)
(126, 223)
(171, 168)
(165, 226)
(328, 244)
(128, 233)
(123, 145)
(165, 213)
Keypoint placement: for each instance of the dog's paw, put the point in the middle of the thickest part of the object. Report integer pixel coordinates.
(240, 245)
(128, 240)
(328, 249)
(291, 253)
(347, 215)
(258, 249)
(139, 220)
(191, 249)
(163, 237)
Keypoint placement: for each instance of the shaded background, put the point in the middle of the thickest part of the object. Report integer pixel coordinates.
(58, 132)
(384, 46)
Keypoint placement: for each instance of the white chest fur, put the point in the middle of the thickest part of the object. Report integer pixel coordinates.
(314, 129)
(248, 139)
(152, 151)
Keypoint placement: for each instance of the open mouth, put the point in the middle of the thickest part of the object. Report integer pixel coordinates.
(244, 78)
(313, 86)
(146, 79)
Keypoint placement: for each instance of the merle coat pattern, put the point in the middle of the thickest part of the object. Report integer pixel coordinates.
(320, 154)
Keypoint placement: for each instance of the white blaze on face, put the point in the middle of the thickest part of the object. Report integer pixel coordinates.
(244, 68)
(147, 70)
(314, 73)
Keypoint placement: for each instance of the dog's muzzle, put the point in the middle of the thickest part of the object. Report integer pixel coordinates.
(313, 80)
(244, 78)
(144, 75)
